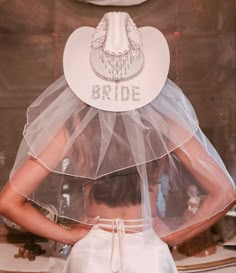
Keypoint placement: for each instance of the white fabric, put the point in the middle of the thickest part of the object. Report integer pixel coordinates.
(114, 2)
(94, 254)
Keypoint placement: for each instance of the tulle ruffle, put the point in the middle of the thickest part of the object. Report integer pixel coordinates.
(76, 142)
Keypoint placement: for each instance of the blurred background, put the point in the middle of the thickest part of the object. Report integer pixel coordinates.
(201, 35)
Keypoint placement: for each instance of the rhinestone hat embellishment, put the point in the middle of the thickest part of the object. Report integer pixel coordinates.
(117, 65)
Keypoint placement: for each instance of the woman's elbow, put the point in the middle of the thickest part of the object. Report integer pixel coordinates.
(223, 195)
(4, 205)
(10, 200)
(230, 195)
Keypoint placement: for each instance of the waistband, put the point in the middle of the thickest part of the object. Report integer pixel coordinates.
(116, 223)
(119, 227)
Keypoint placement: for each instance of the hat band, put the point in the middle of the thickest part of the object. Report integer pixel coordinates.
(118, 79)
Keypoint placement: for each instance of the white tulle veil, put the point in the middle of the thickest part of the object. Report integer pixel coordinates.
(116, 141)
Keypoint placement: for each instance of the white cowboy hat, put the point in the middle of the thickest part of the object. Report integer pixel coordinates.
(114, 2)
(116, 67)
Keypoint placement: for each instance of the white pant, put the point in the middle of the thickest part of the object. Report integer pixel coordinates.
(102, 251)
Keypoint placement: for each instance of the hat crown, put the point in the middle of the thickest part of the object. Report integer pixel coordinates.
(116, 50)
(116, 40)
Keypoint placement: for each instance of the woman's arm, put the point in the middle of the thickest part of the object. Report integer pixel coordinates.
(221, 195)
(15, 207)
(13, 198)
(186, 233)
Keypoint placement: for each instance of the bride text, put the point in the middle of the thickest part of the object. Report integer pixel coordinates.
(116, 92)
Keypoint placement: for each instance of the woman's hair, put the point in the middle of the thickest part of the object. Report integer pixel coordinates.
(120, 188)
(117, 190)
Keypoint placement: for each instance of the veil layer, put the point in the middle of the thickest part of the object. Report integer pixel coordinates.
(79, 144)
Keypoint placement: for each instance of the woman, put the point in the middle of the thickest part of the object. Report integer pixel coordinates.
(115, 145)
